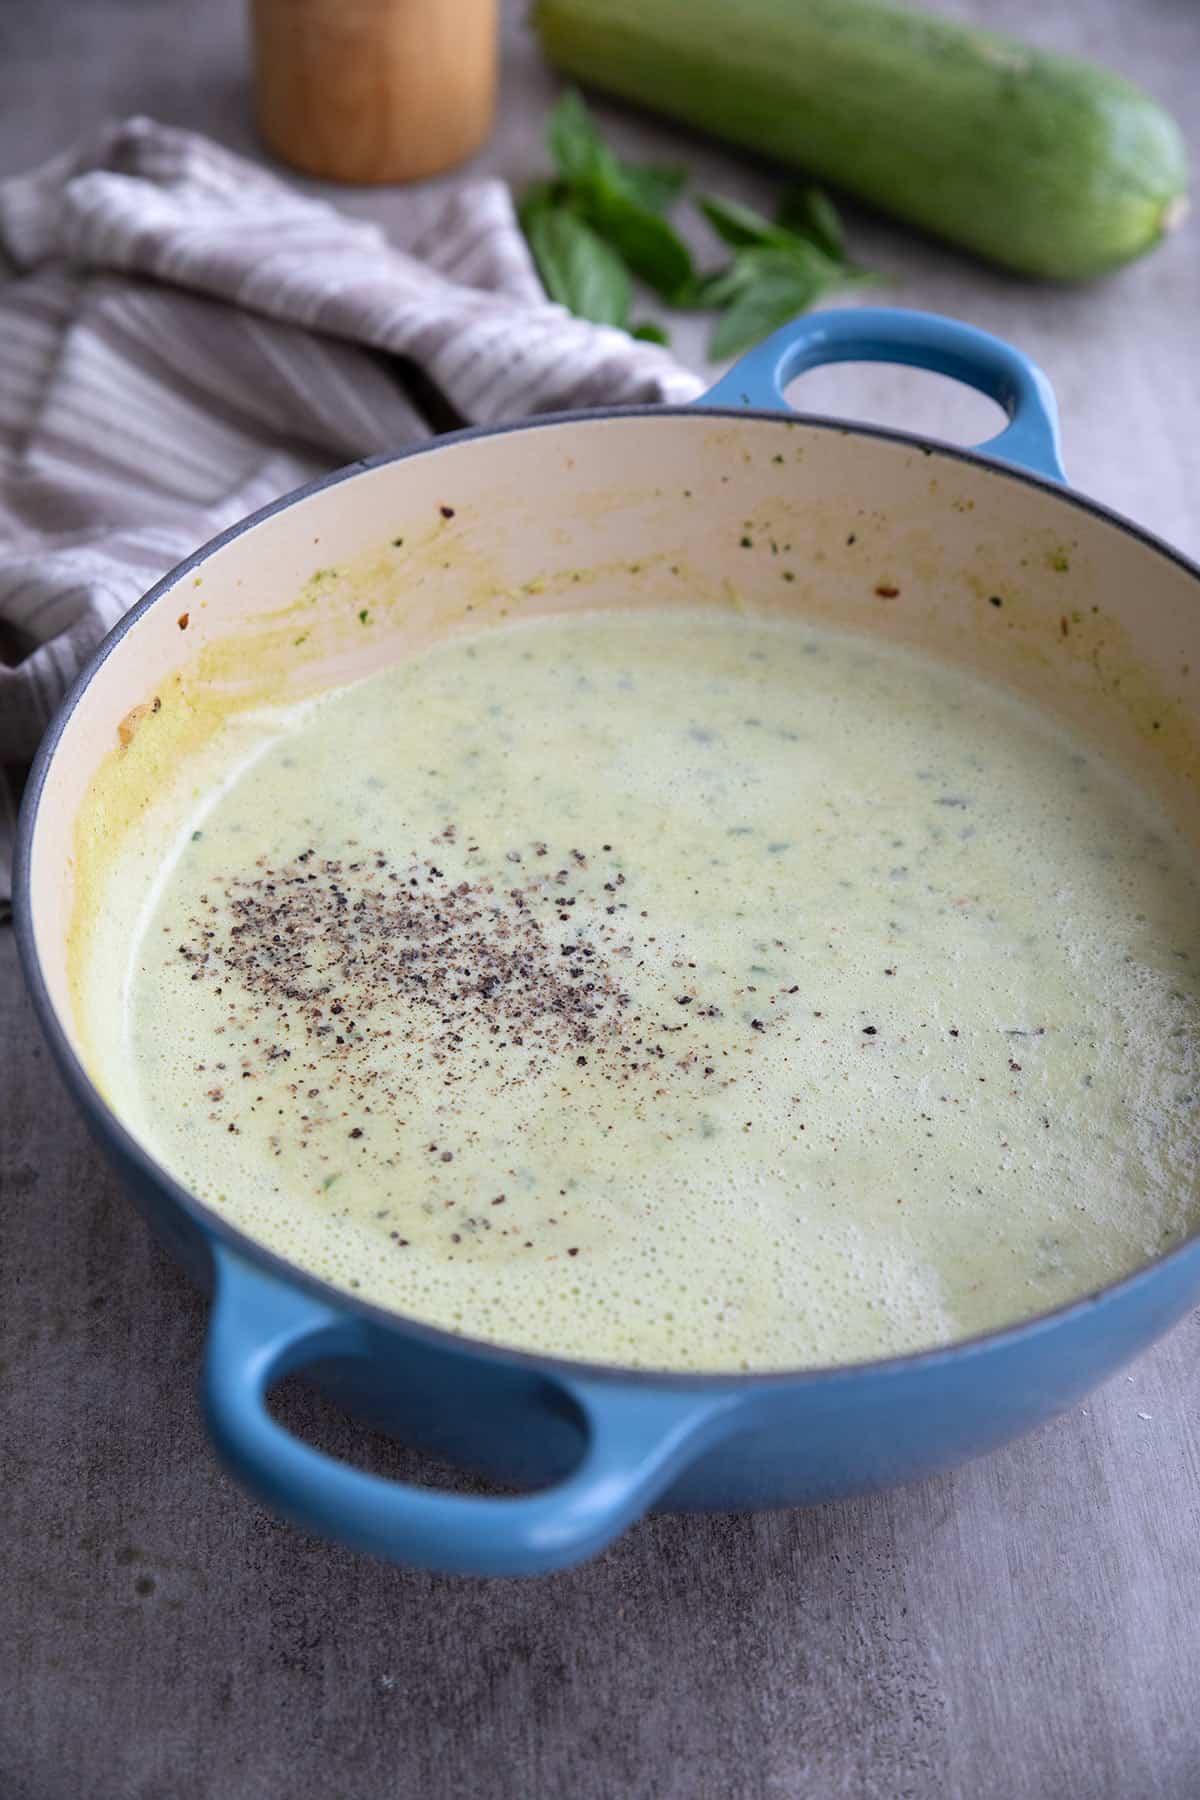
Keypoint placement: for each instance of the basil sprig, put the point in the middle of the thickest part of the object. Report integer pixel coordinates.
(600, 225)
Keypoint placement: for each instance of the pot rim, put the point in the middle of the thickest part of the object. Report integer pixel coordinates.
(212, 1224)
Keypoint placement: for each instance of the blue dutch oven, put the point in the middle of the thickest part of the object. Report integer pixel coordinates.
(593, 1447)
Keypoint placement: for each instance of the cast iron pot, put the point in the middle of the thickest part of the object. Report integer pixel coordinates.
(984, 556)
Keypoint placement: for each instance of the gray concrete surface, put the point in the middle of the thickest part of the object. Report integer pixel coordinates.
(1026, 1627)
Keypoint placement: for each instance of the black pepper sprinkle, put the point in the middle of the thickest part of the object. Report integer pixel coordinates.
(467, 959)
(447, 512)
(870, 1030)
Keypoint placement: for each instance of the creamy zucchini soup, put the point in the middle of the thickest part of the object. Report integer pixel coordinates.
(682, 990)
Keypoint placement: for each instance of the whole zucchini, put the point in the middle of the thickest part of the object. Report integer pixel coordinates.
(1038, 162)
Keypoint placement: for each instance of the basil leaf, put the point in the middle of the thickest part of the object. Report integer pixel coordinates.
(653, 249)
(652, 185)
(537, 197)
(581, 155)
(777, 285)
(723, 286)
(760, 311)
(650, 332)
(740, 225)
(810, 213)
(805, 216)
(577, 268)
(578, 150)
(717, 288)
(621, 202)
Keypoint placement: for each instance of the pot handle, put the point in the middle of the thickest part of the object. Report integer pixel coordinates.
(262, 1328)
(924, 341)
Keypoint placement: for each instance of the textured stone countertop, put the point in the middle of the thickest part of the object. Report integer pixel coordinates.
(1026, 1627)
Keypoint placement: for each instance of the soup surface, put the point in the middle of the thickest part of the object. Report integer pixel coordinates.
(680, 990)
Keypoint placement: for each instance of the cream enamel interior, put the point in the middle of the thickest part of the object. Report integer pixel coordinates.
(848, 530)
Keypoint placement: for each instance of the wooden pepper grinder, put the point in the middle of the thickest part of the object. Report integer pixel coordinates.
(374, 90)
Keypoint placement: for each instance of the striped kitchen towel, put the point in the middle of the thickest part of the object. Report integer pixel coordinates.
(183, 337)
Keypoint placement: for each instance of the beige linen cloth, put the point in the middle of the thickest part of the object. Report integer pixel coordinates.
(183, 338)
